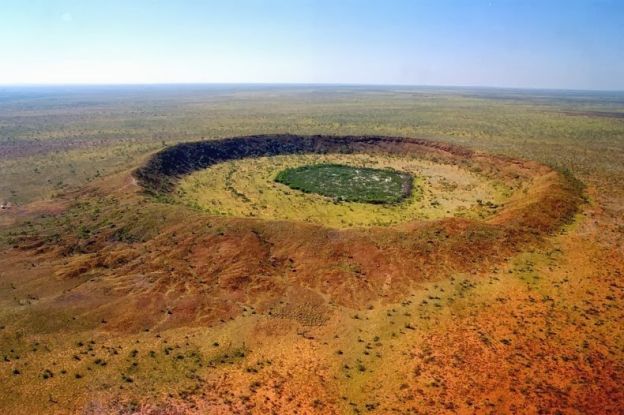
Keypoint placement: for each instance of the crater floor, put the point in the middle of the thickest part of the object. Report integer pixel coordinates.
(247, 188)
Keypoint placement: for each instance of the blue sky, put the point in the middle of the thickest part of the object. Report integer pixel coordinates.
(537, 44)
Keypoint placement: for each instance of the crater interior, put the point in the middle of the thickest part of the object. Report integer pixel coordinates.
(248, 188)
(348, 183)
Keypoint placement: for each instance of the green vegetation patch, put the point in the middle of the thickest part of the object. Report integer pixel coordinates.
(349, 183)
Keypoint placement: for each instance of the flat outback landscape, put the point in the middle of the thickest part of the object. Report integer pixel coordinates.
(312, 207)
(311, 249)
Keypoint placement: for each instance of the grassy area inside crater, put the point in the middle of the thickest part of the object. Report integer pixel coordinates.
(247, 188)
(348, 183)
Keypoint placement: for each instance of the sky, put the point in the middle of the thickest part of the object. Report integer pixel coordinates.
(558, 44)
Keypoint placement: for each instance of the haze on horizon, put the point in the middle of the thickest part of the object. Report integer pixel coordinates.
(554, 44)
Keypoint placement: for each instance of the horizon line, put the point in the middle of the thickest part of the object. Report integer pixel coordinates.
(285, 84)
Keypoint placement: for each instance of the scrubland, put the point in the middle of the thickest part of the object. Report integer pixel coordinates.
(113, 301)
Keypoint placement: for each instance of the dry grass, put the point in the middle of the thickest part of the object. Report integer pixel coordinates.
(170, 310)
(246, 188)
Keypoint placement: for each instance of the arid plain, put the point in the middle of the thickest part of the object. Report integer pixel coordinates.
(141, 275)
